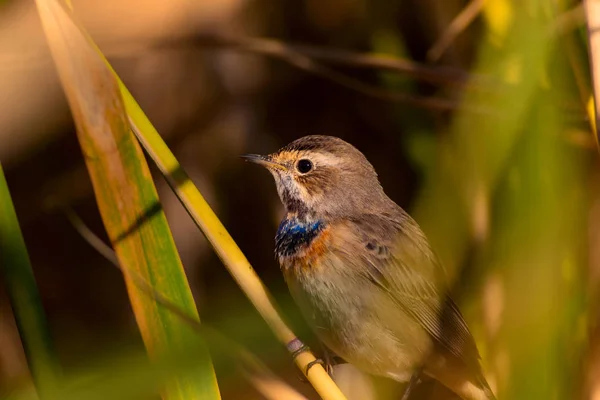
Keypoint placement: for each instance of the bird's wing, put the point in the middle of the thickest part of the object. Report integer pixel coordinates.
(402, 264)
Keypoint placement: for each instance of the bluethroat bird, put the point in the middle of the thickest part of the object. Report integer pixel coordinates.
(363, 273)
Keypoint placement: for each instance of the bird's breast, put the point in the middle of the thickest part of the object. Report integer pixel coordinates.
(301, 243)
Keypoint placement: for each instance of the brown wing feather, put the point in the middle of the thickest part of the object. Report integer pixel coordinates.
(403, 265)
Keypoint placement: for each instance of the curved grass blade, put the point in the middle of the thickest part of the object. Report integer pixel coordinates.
(127, 199)
(22, 290)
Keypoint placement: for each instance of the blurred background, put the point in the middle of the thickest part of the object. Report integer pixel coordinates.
(474, 114)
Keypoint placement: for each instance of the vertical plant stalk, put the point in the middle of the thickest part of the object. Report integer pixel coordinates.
(127, 199)
(24, 298)
(592, 14)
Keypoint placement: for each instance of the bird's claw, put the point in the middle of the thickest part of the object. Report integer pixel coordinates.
(296, 347)
(311, 364)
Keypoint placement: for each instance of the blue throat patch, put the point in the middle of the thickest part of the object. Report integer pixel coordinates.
(294, 234)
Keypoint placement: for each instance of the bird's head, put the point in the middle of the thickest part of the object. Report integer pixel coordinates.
(323, 176)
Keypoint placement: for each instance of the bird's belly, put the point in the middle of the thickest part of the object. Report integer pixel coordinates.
(365, 328)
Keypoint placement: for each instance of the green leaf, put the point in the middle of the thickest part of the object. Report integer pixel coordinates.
(24, 297)
(127, 199)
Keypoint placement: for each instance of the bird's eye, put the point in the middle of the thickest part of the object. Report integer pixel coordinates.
(303, 166)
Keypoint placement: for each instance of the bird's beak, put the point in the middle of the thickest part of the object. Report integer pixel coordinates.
(265, 161)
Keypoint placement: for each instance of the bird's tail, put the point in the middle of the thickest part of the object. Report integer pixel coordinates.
(487, 389)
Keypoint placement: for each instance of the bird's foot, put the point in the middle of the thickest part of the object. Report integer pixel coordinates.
(328, 367)
(296, 347)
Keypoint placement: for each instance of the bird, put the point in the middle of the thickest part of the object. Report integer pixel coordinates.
(363, 273)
